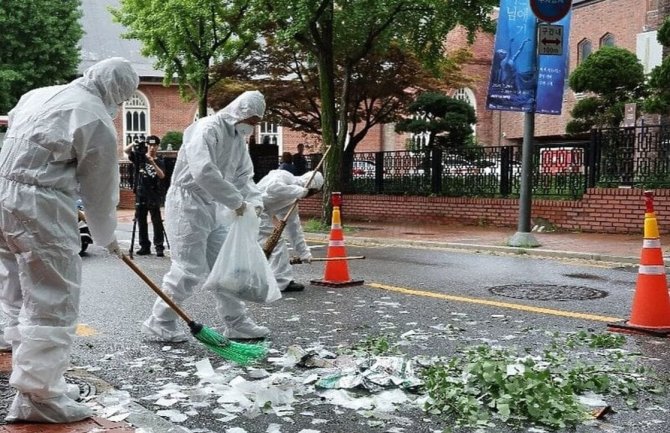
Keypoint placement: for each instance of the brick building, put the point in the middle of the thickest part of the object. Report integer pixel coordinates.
(156, 109)
(629, 24)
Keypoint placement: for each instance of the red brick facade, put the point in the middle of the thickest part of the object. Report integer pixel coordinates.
(591, 20)
(601, 210)
(167, 112)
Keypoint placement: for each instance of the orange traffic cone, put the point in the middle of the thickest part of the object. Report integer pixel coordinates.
(336, 273)
(651, 303)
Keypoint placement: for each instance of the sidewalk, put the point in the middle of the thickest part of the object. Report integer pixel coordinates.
(595, 246)
(592, 246)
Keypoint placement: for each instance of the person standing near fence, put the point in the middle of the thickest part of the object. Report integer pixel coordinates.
(300, 161)
(213, 173)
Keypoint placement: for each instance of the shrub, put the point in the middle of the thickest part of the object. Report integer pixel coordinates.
(173, 139)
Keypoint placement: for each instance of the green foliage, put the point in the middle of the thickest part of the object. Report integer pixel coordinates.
(659, 79)
(485, 384)
(614, 76)
(186, 36)
(173, 139)
(39, 46)
(343, 34)
(376, 346)
(315, 226)
(447, 120)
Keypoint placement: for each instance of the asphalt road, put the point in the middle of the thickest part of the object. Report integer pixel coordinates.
(424, 302)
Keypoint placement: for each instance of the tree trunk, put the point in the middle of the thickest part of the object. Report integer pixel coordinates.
(203, 93)
(326, 65)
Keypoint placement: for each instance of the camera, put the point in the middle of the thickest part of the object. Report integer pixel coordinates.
(140, 147)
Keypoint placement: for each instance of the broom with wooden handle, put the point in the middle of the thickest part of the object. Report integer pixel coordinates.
(272, 241)
(298, 260)
(237, 352)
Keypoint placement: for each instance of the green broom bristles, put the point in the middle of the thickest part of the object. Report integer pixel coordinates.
(239, 353)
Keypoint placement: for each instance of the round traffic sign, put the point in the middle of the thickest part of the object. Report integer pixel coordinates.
(550, 10)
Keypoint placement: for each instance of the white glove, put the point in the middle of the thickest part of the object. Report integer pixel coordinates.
(259, 210)
(240, 210)
(306, 258)
(114, 248)
(305, 193)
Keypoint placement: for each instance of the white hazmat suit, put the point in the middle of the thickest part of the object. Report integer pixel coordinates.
(60, 140)
(213, 172)
(280, 189)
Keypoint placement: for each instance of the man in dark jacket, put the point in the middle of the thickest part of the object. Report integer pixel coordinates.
(149, 171)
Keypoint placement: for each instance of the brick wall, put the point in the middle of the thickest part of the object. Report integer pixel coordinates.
(590, 20)
(167, 112)
(601, 210)
(478, 69)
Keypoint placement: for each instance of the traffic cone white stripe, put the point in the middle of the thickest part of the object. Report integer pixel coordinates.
(652, 270)
(336, 243)
(651, 243)
(336, 226)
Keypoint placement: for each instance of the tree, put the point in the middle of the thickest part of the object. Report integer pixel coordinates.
(187, 36)
(39, 46)
(659, 79)
(342, 34)
(381, 90)
(447, 121)
(613, 76)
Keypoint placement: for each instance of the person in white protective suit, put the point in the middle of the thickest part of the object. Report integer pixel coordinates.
(280, 189)
(213, 173)
(61, 142)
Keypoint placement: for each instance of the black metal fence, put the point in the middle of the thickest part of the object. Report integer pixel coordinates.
(631, 157)
(558, 170)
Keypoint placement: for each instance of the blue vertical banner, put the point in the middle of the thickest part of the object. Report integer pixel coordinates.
(552, 73)
(513, 80)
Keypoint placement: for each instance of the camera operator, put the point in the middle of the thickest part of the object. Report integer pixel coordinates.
(149, 171)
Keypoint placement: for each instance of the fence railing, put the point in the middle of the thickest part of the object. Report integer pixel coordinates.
(495, 171)
(630, 157)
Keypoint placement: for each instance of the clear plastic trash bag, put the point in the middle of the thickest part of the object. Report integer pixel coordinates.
(241, 267)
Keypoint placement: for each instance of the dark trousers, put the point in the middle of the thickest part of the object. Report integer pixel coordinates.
(141, 211)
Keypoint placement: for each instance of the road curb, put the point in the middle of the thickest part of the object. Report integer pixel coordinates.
(535, 252)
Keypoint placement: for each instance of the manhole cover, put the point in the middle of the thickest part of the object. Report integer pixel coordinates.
(547, 292)
(85, 389)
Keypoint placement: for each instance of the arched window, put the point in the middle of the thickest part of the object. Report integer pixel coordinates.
(583, 50)
(273, 133)
(607, 40)
(136, 118)
(467, 95)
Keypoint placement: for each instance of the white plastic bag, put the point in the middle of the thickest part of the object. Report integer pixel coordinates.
(241, 267)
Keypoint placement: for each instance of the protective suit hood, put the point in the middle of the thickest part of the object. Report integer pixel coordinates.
(248, 104)
(115, 79)
(316, 183)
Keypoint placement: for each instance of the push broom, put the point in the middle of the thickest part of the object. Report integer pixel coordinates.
(272, 241)
(239, 353)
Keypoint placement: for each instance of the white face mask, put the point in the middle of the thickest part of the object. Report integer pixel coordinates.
(243, 129)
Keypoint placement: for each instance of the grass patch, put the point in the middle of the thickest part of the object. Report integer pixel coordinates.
(317, 226)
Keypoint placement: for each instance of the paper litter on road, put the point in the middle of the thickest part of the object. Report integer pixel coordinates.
(173, 415)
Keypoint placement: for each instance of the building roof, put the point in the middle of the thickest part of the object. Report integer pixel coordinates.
(102, 39)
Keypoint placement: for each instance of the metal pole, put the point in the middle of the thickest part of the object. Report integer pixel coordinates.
(523, 237)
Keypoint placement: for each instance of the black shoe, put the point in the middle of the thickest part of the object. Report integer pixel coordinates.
(159, 253)
(143, 252)
(294, 287)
